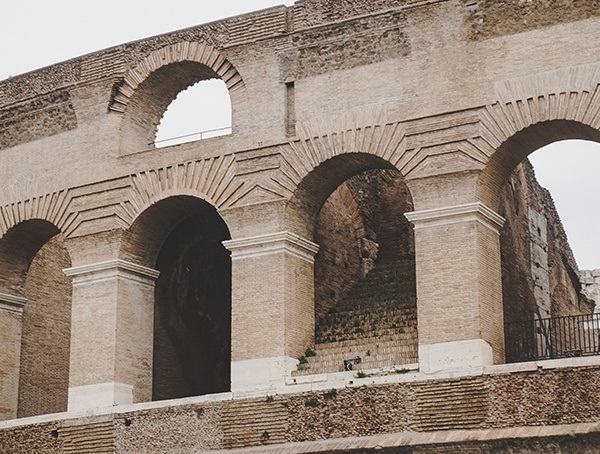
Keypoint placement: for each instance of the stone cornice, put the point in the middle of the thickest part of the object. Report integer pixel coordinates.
(271, 244)
(12, 303)
(469, 212)
(111, 269)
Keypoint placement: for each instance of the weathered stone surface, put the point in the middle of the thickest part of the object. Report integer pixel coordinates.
(419, 110)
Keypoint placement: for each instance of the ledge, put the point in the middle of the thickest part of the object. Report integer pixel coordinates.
(271, 244)
(469, 212)
(12, 303)
(110, 269)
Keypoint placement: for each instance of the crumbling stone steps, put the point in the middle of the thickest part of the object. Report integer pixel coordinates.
(376, 353)
(362, 324)
(86, 438)
(349, 345)
(459, 404)
(384, 285)
(383, 300)
(254, 422)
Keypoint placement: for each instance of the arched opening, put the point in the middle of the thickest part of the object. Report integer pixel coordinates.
(182, 238)
(545, 310)
(157, 92)
(365, 289)
(32, 257)
(200, 112)
(568, 169)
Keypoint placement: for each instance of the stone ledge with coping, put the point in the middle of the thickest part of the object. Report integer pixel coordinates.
(311, 383)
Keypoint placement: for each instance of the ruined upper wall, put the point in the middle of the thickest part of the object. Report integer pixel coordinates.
(492, 18)
(356, 64)
(483, 19)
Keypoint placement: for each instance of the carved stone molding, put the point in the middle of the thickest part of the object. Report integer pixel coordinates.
(271, 244)
(458, 214)
(111, 269)
(12, 303)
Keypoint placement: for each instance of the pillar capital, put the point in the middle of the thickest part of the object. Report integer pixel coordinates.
(110, 269)
(476, 211)
(12, 303)
(272, 243)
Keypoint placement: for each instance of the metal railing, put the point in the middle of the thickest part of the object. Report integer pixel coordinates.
(549, 338)
(197, 136)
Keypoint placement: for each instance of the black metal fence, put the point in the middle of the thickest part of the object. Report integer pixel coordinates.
(549, 338)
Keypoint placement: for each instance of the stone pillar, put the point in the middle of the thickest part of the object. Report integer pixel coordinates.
(11, 322)
(111, 334)
(459, 287)
(272, 308)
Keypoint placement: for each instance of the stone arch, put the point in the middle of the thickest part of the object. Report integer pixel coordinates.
(18, 246)
(33, 255)
(210, 179)
(348, 182)
(153, 221)
(181, 237)
(316, 185)
(53, 207)
(147, 90)
(534, 256)
(533, 111)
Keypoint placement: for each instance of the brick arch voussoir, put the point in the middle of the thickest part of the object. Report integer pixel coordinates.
(313, 157)
(54, 207)
(302, 157)
(211, 180)
(183, 51)
(530, 122)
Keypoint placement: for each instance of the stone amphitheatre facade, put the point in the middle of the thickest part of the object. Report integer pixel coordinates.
(373, 200)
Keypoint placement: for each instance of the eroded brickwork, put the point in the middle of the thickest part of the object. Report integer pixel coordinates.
(42, 117)
(521, 194)
(490, 18)
(362, 42)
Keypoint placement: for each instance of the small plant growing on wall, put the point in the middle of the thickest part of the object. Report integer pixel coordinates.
(309, 352)
(311, 402)
(361, 374)
(330, 394)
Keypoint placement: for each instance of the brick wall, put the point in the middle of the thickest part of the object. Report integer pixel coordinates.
(45, 348)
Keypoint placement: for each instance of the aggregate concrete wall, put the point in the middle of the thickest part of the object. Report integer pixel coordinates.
(470, 404)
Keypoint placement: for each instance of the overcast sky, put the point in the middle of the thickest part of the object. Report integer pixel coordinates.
(37, 33)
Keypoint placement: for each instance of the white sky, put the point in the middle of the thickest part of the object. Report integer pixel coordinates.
(37, 33)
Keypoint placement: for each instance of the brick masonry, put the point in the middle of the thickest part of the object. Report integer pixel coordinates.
(441, 100)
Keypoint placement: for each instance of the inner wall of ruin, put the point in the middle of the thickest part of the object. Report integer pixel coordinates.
(373, 192)
(46, 337)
